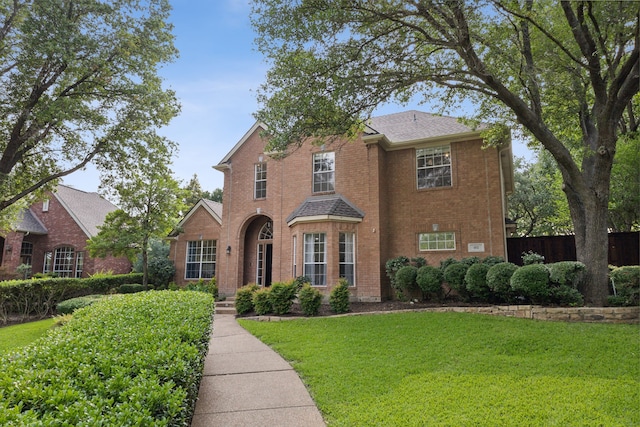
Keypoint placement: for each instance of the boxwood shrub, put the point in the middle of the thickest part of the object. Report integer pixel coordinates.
(244, 298)
(339, 297)
(406, 279)
(310, 300)
(131, 288)
(569, 273)
(262, 301)
(429, 280)
(282, 295)
(531, 282)
(454, 275)
(476, 280)
(625, 282)
(499, 280)
(111, 365)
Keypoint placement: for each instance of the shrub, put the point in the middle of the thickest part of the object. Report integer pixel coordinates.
(262, 301)
(476, 280)
(499, 279)
(282, 295)
(568, 273)
(310, 300)
(446, 263)
(418, 262)
(469, 261)
(626, 285)
(244, 298)
(565, 295)
(300, 281)
(71, 305)
(339, 297)
(429, 280)
(392, 266)
(532, 282)
(161, 272)
(531, 257)
(454, 276)
(131, 288)
(406, 278)
(201, 285)
(110, 365)
(492, 260)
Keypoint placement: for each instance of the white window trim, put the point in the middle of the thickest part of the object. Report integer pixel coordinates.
(445, 238)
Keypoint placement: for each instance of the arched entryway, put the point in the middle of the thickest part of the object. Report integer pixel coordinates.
(258, 251)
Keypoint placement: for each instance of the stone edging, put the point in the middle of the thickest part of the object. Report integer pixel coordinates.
(567, 314)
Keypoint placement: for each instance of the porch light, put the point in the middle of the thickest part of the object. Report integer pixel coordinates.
(435, 227)
(228, 250)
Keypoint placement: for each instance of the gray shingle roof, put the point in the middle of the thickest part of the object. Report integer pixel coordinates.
(29, 223)
(415, 125)
(216, 207)
(333, 205)
(89, 210)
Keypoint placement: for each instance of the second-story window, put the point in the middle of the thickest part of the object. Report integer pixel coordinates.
(260, 186)
(434, 167)
(323, 172)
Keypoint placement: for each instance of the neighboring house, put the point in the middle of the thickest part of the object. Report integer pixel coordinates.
(194, 244)
(52, 236)
(412, 184)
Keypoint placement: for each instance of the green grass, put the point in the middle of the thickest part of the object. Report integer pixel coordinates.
(418, 369)
(16, 336)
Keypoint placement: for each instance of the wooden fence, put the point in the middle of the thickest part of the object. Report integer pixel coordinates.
(624, 248)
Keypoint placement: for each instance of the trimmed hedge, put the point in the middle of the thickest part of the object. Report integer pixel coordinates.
(71, 305)
(531, 281)
(310, 300)
(429, 280)
(126, 360)
(262, 301)
(625, 282)
(40, 296)
(339, 297)
(244, 298)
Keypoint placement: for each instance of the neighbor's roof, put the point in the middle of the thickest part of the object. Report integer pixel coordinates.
(88, 210)
(29, 223)
(334, 207)
(409, 127)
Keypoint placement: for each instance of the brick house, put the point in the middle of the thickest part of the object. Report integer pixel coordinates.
(52, 236)
(411, 184)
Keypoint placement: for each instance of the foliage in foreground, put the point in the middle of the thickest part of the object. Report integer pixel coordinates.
(418, 369)
(126, 360)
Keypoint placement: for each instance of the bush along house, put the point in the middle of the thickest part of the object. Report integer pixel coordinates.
(412, 184)
(51, 236)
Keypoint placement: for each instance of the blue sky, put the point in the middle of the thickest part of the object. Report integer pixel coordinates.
(215, 79)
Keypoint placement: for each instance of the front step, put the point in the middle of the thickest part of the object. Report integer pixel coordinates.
(228, 306)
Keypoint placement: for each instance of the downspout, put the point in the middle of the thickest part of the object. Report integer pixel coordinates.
(228, 226)
(503, 198)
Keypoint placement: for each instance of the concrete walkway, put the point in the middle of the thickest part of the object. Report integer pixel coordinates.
(245, 383)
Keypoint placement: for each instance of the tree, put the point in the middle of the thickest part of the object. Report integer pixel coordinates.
(194, 192)
(537, 204)
(624, 205)
(562, 73)
(151, 202)
(79, 83)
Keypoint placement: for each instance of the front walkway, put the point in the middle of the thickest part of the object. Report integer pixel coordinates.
(245, 383)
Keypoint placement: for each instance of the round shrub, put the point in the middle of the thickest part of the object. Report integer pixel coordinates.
(476, 280)
(339, 297)
(454, 276)
(499, 279)
(532, 282)
(262, 302)
(406, 278)
(568, 273)
(71, 305)
(392, 266)
(626, 285)
(281, 296)
(244, 298)
(310, 300)
(492, 260)
(429, 280)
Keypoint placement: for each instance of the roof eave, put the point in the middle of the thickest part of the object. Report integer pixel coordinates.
(388, 145)
(323, 218)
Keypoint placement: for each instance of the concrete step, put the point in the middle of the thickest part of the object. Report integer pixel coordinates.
(228, 306)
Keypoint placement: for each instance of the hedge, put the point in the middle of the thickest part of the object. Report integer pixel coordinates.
(40, 296)
(126, 360)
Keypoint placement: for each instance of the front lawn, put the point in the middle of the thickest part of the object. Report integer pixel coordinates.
(16, 336)
(417, 369)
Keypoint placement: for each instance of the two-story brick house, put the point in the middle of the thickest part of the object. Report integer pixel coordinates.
(52, 236)
(412, 184)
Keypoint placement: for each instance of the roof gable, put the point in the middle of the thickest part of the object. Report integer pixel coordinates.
(212, 208)
(224, 163)
(88, 210)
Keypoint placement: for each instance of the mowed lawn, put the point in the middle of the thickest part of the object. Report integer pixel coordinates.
(16, 336)
(458, 369)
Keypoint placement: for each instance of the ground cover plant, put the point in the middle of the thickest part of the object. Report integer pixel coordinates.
(133, 359)
(16, 336)
(417, 369)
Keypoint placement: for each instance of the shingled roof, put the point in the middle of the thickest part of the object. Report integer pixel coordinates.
(88, 210)
(413, 125)
(322, 208)
(29, 223)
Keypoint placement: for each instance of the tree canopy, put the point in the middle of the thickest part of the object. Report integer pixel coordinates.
(562, 73)
(80, 83)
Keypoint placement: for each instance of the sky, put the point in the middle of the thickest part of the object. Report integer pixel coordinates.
(215, 79)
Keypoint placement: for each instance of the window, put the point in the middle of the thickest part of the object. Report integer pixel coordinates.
(201, 259)
(347, 259)
(444, 241)
(295, 257)
(434, 167)
(79, 264)
(45, 205)
(315, 256)
(46, 265)
(260, 185)
(63, 261)
(26, 253)
(323, 172)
